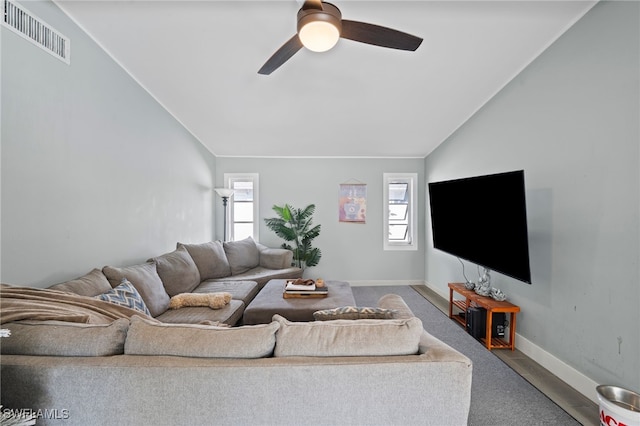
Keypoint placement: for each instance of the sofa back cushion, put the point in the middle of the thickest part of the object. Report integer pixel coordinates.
(90, 284)
(204, 341)
(146, 280)
(178, 271)
(61, 338)
(210, 259)
(242, 255)
(364, 337)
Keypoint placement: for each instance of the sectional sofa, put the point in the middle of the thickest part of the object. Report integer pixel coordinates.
(240, 268)
(76, 358)
(349, 372)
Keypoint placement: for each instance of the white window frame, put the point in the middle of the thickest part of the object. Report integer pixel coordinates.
(229, 179)
(412, 211)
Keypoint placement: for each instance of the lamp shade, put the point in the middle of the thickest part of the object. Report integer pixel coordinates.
(224, 192)
(319, 36)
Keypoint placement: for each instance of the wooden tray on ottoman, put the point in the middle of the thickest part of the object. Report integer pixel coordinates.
(270, 300)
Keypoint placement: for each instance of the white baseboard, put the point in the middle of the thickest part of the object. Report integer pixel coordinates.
(385, 282)
(559, 368)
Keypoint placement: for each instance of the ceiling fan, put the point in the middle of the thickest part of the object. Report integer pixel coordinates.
(320, 25)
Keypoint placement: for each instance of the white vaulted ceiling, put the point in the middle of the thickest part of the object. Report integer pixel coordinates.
(200, 59)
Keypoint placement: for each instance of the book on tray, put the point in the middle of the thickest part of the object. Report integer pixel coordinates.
(300, 286)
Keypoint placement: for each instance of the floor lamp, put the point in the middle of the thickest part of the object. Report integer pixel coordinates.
(225, 194)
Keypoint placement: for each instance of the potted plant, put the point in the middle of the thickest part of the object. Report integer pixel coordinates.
(295, 225)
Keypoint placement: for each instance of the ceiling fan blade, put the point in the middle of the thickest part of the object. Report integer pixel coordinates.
(378, 36)
(281, 56)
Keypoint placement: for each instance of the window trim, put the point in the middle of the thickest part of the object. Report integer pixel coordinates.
(412, 180)
(229, 178)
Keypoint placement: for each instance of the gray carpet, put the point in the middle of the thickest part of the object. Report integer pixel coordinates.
(499, 395)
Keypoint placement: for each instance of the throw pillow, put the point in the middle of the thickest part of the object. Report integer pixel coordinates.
(178, 271)
(250, 341)
(354, 312)
(242, 255)
(210, 259)
(365, 337)
(212, 300)
(146, 280)
(90, 284)
(60, 338)
(125, 295)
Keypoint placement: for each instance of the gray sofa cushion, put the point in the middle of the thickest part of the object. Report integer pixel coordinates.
(60, 338)
(178, 271)
(239, 290)
(90, 284)
(365, 337)
(262, 275)
(146, 280)
(202, 341)
(242, 255)
(275, 258)
(230, 314)
(210, 259)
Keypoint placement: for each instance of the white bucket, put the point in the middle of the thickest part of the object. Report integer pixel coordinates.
(618, 406)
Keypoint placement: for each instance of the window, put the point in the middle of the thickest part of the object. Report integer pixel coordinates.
(243, 208)
(400, 211)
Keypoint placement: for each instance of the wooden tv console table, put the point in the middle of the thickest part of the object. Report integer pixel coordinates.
(491, 306)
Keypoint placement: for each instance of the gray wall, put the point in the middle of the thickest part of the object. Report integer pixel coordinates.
(571, 121)
(94, 170)
(349, 251)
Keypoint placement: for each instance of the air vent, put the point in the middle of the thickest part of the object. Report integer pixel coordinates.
(30, 27)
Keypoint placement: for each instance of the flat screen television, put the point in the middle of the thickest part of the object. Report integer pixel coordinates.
(483, 219)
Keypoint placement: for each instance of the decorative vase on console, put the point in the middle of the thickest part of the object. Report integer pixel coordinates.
(483, 287)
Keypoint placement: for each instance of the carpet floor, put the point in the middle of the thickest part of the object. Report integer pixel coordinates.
(499, 395)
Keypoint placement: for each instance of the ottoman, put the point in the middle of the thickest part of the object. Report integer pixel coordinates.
(270, 301)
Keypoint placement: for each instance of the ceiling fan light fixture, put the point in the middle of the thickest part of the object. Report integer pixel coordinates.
(319, 36)
(319, 29)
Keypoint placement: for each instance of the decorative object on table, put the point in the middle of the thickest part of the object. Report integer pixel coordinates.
(469, 285)
(497, 294)
(483, 288)
(320, 282)
(296, 225)
(300, 288)
(352, 202)
(225, 194)
(483, 291)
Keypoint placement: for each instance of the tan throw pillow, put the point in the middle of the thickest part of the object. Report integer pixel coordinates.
(210, 259)
(202, 341)
(211, 300)
(90, 284)
(146, 280)
(178, 271)
(60, 338)
(242, 255)
(365, 337)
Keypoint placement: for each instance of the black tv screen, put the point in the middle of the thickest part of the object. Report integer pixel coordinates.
(483, 219)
